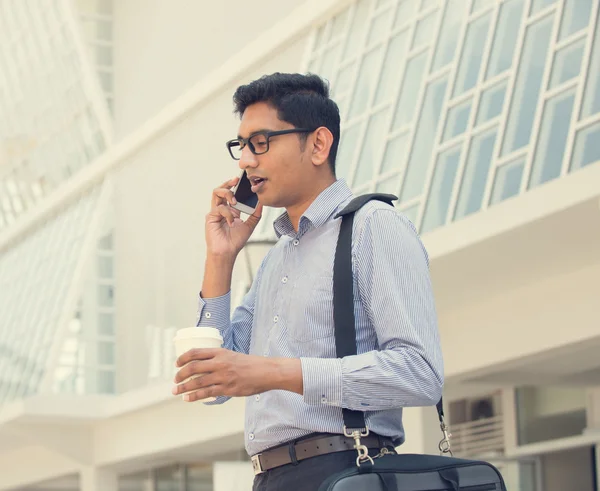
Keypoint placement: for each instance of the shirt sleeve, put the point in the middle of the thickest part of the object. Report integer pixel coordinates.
(237, 329)
(394, 285)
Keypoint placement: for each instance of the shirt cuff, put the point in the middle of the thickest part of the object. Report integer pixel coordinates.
(322, 381)
(214, 312)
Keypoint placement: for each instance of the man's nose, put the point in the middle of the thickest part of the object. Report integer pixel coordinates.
(248, 159)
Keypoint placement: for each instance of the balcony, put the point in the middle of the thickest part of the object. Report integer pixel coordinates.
(474, 438)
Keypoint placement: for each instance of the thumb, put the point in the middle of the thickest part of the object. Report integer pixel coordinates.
(252, 220)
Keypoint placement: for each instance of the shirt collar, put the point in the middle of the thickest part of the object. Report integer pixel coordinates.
(319, 211)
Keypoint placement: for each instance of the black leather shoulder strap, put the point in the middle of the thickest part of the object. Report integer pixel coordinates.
(343, 294)
(362, 200)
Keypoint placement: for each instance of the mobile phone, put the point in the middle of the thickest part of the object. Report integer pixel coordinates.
(246, 199)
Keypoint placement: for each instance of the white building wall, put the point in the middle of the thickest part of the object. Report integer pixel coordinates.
(163, 48)
(523, 321)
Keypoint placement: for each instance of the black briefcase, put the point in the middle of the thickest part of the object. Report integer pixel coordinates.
(388, 471)
(411, 472)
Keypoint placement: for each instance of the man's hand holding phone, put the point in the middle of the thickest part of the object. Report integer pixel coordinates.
(226, 232)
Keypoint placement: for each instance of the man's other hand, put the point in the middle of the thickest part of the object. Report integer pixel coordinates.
(227, 373)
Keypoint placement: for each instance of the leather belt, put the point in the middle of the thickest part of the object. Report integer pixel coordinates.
(294, 452)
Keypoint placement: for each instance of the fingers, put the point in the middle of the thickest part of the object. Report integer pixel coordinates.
(197, 354)
(253, 219)
(223, 193)
(200, 381)
(228, 213)
(198, 395)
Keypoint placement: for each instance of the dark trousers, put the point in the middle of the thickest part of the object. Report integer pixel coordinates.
(306, 475)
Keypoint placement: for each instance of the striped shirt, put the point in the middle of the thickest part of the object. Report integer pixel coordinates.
(288, 312)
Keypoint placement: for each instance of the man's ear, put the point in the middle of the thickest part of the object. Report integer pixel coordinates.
(322, 141)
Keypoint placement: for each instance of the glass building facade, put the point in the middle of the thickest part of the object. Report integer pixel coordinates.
(457, 105)
(53, 118)
(53, 122)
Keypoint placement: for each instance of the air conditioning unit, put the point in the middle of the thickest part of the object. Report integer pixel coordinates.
(475, 408)
(482, 408)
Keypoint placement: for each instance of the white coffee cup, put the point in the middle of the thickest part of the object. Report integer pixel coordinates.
(190, 338)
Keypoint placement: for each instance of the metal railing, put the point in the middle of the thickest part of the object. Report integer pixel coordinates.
(478, 437)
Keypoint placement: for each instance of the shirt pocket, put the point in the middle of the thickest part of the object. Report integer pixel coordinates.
(311, 309)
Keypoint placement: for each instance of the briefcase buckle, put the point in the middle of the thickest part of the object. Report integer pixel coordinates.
(256, 464)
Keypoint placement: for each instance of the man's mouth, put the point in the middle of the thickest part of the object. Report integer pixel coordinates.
(257, 183)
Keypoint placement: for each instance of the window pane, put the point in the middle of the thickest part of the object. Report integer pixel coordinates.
(492, 102)
(411, 213)
(339, 24)
(411, 84)
(347, 148)
(591, 99)
(505, 38)
(390, 77)
(379, 28)
(106, 382)
(458, 118)
(425, 30)
(441, 189)
(508, 181)
(395, 153)
(106, 242)
(420, 158)
(330, 58)
(357, 29)
(344, 78)
(105, 266)
(567, 63)
(106, 353)
(388, 185)
(527, 88)
(425, 4)
(472, 55)
(367, 78)
(538, 5)
(168, 478)
(576, 16)
(199, 477)
(406, 11)
(476, 174)
(106, 324)
(547, 413)
(479, 5)
(454, 17)
(374, 139)
(587, 147)
(105, 295)
(553, 138)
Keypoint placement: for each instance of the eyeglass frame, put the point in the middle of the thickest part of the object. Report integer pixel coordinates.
(267, 134)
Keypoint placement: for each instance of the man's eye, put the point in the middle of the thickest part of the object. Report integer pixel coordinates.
(262, 142)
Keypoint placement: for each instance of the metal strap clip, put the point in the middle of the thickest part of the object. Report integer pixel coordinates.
(444, 444)
(363, 451)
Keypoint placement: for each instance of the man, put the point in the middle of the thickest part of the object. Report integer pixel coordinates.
(279, 345)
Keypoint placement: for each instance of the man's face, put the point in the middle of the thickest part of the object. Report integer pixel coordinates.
(286, 168)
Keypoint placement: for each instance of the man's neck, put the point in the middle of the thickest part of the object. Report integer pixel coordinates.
(296, 211)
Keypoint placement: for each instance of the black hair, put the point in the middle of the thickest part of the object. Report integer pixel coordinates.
(301, 100)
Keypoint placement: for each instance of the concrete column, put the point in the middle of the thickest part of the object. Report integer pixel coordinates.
(509, 418)
(422, 430)
(593, 409)
(95, 479)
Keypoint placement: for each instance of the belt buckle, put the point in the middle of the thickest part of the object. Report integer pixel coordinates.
(256, 464)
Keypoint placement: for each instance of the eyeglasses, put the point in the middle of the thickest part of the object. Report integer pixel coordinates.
(258, 143)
